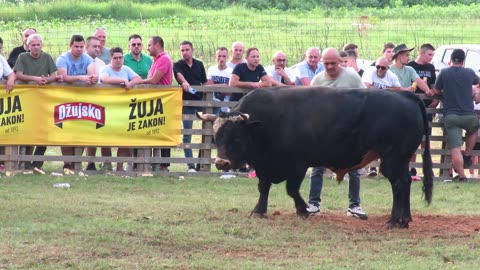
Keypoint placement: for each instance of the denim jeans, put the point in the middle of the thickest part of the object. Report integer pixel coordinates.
(188, 124)
(316, 184)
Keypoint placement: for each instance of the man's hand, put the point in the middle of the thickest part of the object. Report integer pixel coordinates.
(8, 87)
(59, 78)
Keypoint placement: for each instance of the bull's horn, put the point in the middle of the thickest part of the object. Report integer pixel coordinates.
(245, 116)
(206, 117)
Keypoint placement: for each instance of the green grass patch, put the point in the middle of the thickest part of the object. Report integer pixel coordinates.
(202, 223)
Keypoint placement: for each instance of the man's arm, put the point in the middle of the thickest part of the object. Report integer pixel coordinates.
(423, 86)
(305, 81)
(71, 79)
(235, 82)
(41, 80)
(182, 81)
(369, 85)
(265, 81)
(275, 82)
(155, 79)
(10, 82)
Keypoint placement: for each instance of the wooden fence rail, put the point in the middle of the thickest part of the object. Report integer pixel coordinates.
(202, 136)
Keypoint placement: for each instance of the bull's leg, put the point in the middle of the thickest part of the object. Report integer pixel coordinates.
(260, 209)
(400, 181)
(293, 190)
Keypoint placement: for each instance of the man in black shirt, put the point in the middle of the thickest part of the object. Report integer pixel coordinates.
(12, 58)
(426, 71)
(423, 66)
(189, 71)
(249, 75)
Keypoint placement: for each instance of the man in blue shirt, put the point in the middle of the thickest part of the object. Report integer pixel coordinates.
(310, 67)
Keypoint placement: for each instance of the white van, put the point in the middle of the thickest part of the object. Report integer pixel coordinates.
(472, 60)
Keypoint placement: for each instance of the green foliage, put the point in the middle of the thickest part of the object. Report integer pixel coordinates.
(304, 5)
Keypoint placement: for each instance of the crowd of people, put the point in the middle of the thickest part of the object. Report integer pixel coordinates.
(90, 61)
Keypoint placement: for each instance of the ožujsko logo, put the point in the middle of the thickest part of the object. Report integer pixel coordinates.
(79, 111)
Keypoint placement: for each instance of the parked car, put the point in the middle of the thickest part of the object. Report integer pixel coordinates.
(472, 60)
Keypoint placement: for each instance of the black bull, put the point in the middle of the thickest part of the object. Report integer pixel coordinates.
(282, 132)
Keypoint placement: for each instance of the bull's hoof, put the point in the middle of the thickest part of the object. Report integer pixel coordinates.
(303, 214)
(258, 215)
(396, 225)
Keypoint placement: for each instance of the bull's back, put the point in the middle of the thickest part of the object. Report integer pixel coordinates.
(324, 123)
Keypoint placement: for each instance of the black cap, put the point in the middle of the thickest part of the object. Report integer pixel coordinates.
(457, 56)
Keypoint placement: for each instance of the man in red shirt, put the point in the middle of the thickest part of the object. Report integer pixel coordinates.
(160, 73)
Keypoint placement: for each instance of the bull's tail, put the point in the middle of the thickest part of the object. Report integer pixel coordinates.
(427, 158)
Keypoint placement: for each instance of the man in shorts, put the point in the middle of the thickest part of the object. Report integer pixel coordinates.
(455, 82)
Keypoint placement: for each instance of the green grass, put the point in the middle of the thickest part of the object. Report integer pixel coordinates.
(269, 30)
(201, 223)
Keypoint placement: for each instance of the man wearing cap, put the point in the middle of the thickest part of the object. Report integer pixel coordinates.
(455, 83)
(406, 74)
(408, 78)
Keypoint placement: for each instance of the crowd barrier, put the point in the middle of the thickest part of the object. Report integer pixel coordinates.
(146, 158)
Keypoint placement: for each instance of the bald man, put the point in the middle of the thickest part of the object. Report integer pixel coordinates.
(335, 75)
(12, 58)
(237, 54)
(381, 77)
(101, 34)
(279, 73)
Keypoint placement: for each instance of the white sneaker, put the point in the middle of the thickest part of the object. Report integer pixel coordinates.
(356, 211)
(191, 170)
(313, 210)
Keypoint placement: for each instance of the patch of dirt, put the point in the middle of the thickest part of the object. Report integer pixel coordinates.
(421, 226)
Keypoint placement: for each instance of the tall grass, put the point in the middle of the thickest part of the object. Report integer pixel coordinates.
(291, 31)
(123, 9)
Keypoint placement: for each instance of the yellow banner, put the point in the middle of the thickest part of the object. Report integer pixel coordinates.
(90, 116)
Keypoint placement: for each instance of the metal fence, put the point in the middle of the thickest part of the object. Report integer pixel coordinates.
(268, 32)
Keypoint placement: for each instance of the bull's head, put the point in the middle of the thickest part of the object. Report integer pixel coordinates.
(231, 133)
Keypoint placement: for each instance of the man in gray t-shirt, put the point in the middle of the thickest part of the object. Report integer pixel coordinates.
(455, 83)
(338, 77)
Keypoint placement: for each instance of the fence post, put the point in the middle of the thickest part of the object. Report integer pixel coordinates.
(206, 125)
(9, 163)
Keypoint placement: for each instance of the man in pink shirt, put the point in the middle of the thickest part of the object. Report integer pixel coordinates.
(160, 73)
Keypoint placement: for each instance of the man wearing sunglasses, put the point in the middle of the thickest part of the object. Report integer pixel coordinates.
(136, 60)
(381, 77)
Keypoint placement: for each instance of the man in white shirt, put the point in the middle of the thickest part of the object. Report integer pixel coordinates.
(281, 75)
(381, 77)
(220, 74)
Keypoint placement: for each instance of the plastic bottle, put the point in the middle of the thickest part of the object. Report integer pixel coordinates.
(61, 185)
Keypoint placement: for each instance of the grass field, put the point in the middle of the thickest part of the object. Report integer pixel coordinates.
(290, 31)
(202, 223)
